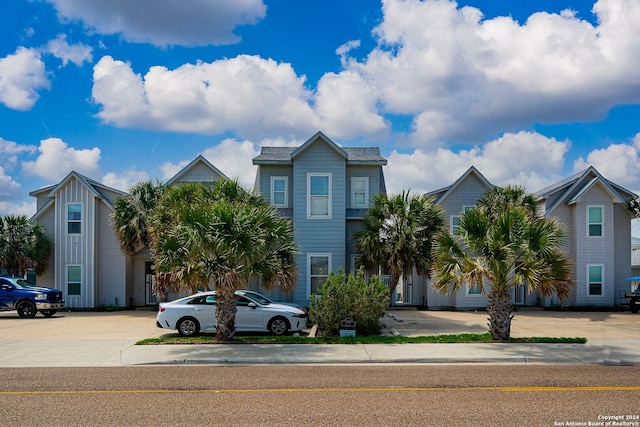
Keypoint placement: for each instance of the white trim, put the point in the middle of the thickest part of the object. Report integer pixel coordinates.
(328, 255)
(286, 191)
(329, 197)
(588, 283)
(601, 207)
(366, 192)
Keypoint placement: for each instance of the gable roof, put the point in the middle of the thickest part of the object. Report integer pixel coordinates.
(200, 160)
(319, 136)
(574, 187)
(442, 193)
(286, 155)
(94, 187)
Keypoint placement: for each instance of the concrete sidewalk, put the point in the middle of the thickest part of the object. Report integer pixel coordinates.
(108, 339)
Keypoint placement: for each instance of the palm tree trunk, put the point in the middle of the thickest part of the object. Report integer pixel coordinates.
(500, 313)
(225, 316)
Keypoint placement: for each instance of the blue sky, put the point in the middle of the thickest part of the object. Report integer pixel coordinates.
(527, 91)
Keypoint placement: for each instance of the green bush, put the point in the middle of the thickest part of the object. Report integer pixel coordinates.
(352, 297)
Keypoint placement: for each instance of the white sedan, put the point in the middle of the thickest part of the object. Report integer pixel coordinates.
(197, 313)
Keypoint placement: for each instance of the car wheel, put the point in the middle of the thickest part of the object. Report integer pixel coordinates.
(188, 327)
(48, 313)
(26, 309)
(278, 326)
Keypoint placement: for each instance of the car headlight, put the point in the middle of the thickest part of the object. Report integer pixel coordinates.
(41, 297)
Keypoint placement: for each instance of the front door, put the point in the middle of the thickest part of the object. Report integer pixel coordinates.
(151, 299)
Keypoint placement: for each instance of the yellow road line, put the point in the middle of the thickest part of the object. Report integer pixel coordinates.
(526, 389)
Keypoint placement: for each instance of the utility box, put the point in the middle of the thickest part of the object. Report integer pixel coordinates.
(347, 328)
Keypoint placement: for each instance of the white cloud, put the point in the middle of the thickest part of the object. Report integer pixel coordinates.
(77, 53)
(524, 158)
(248, 94)
(233, 158)
(461, 78)
(23, 208)
(57, 159)
(22, 75)
(124, 180)
(465, 78)
(9, 152)
(9, 189)
(619, 163)
(165, 22)
(169, 170)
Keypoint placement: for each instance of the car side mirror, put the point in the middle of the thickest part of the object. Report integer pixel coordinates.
(252, 305)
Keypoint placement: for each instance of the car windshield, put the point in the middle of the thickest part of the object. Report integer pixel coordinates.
(21, 283)
(257, 298)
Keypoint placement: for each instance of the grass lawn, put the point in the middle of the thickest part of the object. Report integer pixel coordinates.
(372, 339)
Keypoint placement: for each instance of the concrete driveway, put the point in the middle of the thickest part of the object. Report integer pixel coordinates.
(108, 339)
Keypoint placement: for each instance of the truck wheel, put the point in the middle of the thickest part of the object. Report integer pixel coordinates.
(26, 309)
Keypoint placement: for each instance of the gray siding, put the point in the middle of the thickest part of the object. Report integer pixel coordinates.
(594, 250)
(75, 249)
(464, 194)
(264, 182)
(111, 265)
(319, 235)
(198, 173)
(622, 248)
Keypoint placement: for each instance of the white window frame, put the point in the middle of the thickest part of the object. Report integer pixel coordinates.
(365, 204)
(588, 293)
(309, 275)
(328, 196)
(286, 191)
(68, 282)
(589, 207)
(70, 221)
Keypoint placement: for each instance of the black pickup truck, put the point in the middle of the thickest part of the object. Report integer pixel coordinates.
(18, 294)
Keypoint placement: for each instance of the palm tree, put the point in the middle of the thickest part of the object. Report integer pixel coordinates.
(130, 219)
(220, 236)
(498, 249)
(399, 234)
(24, 245)
(499, 198)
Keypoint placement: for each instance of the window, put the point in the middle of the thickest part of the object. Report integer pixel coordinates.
(455, 224)
(279, 191)
(319, 266)
(595, 221)
(455, 220)
(595, 280)
(74, 279)
(319, 196)
(474, 290)
(74, 218)
(360, 192)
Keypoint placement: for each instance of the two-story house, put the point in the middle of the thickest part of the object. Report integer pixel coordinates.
(325, 190)
(598, 226)
(87, 264)
(595, 213)
(454, 199)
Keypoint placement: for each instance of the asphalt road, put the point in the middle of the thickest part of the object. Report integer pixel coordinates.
(320, 395)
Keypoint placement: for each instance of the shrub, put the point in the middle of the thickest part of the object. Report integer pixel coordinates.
(352, 297)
